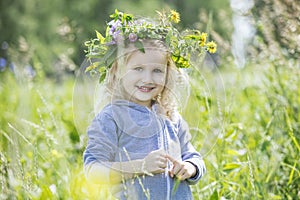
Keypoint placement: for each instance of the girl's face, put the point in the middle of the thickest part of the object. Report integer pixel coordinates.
(145, 76)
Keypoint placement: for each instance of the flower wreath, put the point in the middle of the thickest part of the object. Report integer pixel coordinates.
(102, 51)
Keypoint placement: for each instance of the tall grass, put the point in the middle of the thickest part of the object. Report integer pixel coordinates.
(256, 155)
(248, 134)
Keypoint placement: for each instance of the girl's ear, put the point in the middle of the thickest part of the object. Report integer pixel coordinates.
(117, 70)
(114, 69)
(111, 78)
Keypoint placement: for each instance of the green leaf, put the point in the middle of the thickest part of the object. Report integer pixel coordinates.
(180, 61)
(92, 66)
(193, 37)
(115, 15)
(176, 184)
(102, 69)
(139, 45)
(292, 173)
(46, 193)
(168, 38)
(128, 17)
(229, 166)
(87, 43)
(100, 37)
(110, 56)
(102, 76)
(214, 196)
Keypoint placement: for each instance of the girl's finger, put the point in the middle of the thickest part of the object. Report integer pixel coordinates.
(182, 177)
(171, 174)
(171, 158)
(181, 173)
(161, 170)
(176, 169)
(163, 159)
(163, 165)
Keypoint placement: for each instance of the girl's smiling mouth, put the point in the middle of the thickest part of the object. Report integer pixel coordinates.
(145, 88)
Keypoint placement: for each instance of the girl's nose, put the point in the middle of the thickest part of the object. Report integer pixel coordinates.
(147, 78)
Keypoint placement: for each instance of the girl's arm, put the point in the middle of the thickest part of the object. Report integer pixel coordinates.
(113, 172)
(190, 157)
(101, 150)
(154, 163)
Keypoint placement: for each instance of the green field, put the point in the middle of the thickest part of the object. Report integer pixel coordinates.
(247, 129)
(244, 115)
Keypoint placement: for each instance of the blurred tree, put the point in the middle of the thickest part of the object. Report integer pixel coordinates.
(139, 7)
(278, 25)
(213, 17)
(54, 32)
(49, 35)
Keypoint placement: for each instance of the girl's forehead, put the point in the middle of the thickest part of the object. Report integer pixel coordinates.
(151, 56)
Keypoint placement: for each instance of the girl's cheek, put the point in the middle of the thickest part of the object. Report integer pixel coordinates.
(160, 78)
(160, 81)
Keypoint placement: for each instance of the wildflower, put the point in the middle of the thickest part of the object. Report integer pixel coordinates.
(12, 67)
(202, 39)
(211, 47)
(124, 27)
(56, 154)
(111, 43)
(29, 154)
(29, 71)
(132, 37)
(2, 64)
(117, 36)
(53, 189)
(92, 66)
(175, 17)
(113, 26)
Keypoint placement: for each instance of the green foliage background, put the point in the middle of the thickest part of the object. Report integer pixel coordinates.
(245, 122)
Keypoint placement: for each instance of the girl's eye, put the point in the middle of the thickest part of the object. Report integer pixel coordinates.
(138, 69)
(158, 70)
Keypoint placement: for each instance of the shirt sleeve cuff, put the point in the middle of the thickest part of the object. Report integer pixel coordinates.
(200, 170)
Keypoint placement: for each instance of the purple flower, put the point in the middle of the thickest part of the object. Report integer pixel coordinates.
(127, 23)
(2, 64)
(12, 67)
(132, 37)
(118, 37)
(113, 26)
(115, 35)
(29, 71)
(111, 43)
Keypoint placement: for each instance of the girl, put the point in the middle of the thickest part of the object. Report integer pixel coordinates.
(139, 143)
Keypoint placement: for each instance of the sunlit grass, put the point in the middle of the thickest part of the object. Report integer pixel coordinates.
(249, 140)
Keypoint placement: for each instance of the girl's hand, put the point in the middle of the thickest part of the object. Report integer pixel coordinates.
(155, 162)
(182, 170)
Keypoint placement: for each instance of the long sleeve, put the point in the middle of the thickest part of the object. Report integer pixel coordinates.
(188, 152)
(101, 148)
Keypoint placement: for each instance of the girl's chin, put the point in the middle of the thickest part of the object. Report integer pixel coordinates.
(142, 99)
(141, 96)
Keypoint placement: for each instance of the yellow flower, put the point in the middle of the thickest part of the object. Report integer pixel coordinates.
(175, 17)
(92, 66)
(56, 154)
(202, 39)
(211, 47)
